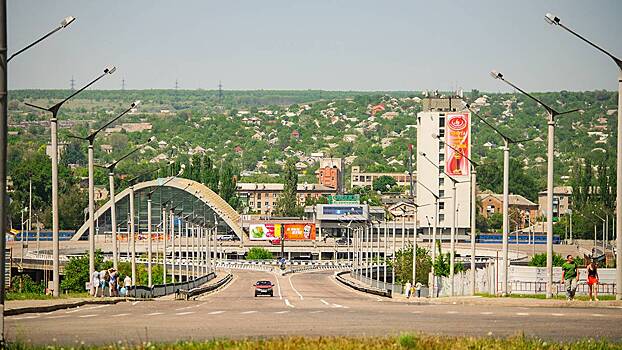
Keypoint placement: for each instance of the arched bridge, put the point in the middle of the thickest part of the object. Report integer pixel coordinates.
(188, 199)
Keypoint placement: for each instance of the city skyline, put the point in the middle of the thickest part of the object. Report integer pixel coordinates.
(327, 45)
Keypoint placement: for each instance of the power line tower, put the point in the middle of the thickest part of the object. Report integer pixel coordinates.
(72, 83)
(176, 85)
(123, 83)
(220, 91)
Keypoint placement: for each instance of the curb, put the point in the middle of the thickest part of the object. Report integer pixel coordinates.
(50, 308)
(380, 292)
(197, 292)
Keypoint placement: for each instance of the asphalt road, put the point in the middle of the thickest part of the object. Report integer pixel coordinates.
(311, 304)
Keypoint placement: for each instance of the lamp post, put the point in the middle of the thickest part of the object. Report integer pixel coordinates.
(54, 133)
(63, 24)
(474, 165)
(604, 229)
(552, 113)
(434, 229)
(91, 140)
(556, 21)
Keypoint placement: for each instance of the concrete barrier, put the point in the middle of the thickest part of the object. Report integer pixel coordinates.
(194, 292)
(380, 292)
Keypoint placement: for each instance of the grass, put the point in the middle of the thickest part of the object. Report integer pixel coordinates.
(403, 342)
(543, 296)
(38, 296)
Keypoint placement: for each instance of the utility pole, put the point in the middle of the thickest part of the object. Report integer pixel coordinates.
(72, 84)
(123, 83)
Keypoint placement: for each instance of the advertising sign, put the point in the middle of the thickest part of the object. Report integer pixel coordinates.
(299, 231)
(264, 232)
(457, 130)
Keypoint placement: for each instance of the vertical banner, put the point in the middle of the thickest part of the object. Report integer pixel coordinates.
(457, 130)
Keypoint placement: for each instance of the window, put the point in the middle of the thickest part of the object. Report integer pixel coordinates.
(267, 204)
(441, 205)
(441, 169)
(441, 132)
(258, 195)
(490, 209)
(441, 122)
(441, 217)
(441, 193)
(441, 157)
(441, 181)
(258, 205)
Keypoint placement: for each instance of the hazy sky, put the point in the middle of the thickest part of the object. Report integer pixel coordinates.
(316, 44)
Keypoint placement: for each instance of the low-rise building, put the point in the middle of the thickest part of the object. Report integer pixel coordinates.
(262, 197)
(361, 179)
(493, 203)
(562, 201)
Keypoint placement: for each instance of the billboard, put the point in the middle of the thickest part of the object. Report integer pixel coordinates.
(264, 232)
(457, 133)
(297, 232)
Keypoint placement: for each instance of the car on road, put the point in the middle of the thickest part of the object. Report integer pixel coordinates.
(343, 241)
(263, 288)
(225, 238)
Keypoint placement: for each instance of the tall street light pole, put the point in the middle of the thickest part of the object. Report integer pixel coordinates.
(54, 133)
(549, 178)
(474, 165)
(434, 229)
(554, 20)
(91, 160)
(4, 139)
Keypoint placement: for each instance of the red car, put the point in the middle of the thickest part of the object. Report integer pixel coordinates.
(275, 241)
(263, 288)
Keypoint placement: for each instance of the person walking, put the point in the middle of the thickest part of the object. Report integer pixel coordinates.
(95, 283)
(407, 289)
(570, 277)
(127, 282)
(104, 279)
(592, 279)
(418, 286)
(113, 283)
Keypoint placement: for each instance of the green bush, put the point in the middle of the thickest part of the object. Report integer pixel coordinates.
(25, 284)
(443, 263)
(404, 265)
(77, 271)
(258, 253)
(539, 260)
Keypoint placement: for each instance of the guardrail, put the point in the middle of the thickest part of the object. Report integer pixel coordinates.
(169, 288)
(370, 290)
(317, 267)
(188, 294)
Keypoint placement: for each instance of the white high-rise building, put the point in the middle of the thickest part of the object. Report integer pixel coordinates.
(445, 117)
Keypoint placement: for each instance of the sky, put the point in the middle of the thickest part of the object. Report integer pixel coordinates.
(315, 44)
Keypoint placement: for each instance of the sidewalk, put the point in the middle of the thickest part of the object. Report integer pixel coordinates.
(17, 307)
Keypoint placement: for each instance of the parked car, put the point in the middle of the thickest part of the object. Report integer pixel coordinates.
(263, 288)
(275, 241)
(225, 238)
(344, 241)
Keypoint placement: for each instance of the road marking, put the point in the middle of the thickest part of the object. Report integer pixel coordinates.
(26, 317)
(486, 313)
(415, 312)
(291, 284)
(281, 312)
(59, 316)
(154, 314)
(72, 311)
(184, 308)
(119, 315)
(378, 299)
(340, 306)
(91, 315)
(598, 315)
(184, 313)
(522, 314)
(316, 312)
(324, 302)
(452, 312)
(215, 312)
(288, 303)
(136, 302)
(557, 314)
(278, 286)
(248, 312)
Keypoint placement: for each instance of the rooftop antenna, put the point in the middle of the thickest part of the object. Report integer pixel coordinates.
(73, 83)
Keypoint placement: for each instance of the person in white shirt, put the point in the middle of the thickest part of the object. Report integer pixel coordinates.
(95, 283)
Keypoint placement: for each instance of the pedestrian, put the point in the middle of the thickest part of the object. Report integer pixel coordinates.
(104, 279)
(94, 283)
(570, 277)
(407, 289)
(592, 279)
(127, 282)
(113, 283)
(418, 289)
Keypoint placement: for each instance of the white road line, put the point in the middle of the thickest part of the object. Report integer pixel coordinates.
(486, 313)
(281, 312)
(154, 314)
(522, 314)
(452, 312)
(72, 311)
(90, 315)
(278, 286)
(289, 304)
(598, 315)
(119, 315)
(415, 312)
(59, 316)
(291, 284)
(340, 306)
(26, 317)
(557, 314)
(215, 312)
(184, 313)
(316, 312)
(324, 302)
(184, 308)
(136, 302)
(248, 312)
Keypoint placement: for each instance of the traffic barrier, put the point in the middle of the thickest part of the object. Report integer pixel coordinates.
(375, 291)
(169, 288)
(187, 294)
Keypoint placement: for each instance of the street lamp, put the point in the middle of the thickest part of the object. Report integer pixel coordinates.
(554, 20)
(63, 24)
(53, 130)
(113, 215)
(474, 165)
(604, 229)
(434, 228)
(91, 140)
(552, 113)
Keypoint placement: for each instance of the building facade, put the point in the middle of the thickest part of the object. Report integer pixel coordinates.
(562, 201)
(330, 173)
(493, 203)
(445, 118)
(262, 197)
(361, 179)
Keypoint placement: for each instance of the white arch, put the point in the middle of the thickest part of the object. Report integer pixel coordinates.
(220, 207)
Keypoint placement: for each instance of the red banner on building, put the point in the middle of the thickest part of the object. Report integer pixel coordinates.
(457, 131)
(299, 231)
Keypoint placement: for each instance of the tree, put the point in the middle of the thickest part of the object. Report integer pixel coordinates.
(384, 183)
(443, 263)
(258, 253)
(77, 271)
(228, 185)
(404, 265)
(495, 221)
(287, 204)
(73, 154)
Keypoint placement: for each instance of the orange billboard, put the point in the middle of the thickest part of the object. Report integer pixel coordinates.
(457, 138)
(296, 232)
